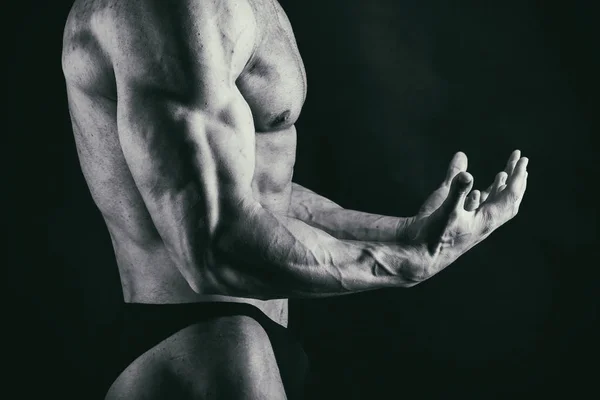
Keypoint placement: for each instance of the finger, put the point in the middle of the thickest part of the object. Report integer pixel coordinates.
(509, 200)
(516, 181)
(499, 181)
(459, 189)
(458, 164)
(512, 161)
(473, 200)
(523, 188)
(486, 192)
(505, 206)
(484, 196)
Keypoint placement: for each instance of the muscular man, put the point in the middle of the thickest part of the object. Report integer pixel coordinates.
(183, 113)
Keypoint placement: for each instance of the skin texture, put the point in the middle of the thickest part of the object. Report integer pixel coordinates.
(183, 114)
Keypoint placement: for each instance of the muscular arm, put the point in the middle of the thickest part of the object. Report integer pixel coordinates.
(342, 223)
(188, 138)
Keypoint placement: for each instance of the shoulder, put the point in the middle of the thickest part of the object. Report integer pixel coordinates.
(109, 17)
(160, 40)
(82, 56)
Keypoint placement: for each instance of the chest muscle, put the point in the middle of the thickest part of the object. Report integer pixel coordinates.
(274, 81)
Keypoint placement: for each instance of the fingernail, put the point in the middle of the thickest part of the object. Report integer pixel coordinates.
(525, 161)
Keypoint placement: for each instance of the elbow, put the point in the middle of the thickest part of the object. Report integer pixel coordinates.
(201, 266)
(209, 274)
(223, 268)
(222, 278)
(218, 270)
(195, 255)
(196, 275)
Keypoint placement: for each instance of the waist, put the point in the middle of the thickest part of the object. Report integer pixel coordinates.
(276, 310)
(149, 276)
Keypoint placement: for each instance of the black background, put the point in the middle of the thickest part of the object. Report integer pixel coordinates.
(395, 88)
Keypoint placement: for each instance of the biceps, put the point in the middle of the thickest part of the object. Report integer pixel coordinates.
(223, 144)
(185, 163)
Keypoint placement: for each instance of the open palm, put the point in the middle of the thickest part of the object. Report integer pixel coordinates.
(454, 217)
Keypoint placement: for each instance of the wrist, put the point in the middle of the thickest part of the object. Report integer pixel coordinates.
(401, 265)
(406, 228)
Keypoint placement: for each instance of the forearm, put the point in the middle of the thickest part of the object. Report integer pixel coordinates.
(262, 255)
(342, 223)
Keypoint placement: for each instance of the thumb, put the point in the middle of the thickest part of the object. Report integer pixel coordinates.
(459, 189)
(458, 164)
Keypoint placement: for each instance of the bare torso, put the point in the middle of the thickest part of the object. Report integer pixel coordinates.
(273, 83)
